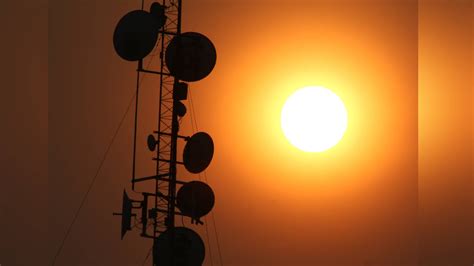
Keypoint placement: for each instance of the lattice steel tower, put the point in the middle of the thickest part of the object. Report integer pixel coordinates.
(183, 57)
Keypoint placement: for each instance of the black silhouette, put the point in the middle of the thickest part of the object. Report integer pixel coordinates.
(126, 214)
(135, 35)
(195, 199)
(185, 244)
(190, 56)
(184, 57)
(198, 152)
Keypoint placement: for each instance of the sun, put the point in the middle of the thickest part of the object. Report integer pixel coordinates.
(314, 119)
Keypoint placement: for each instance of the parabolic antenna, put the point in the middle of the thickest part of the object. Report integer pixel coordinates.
(198, 152)
(188, 248)
(190, 56)
(135, 35)
(151, 142)
(195, 199)
(180, 109)
(126, 214)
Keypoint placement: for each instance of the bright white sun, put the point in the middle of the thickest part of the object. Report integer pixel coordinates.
(314, 119)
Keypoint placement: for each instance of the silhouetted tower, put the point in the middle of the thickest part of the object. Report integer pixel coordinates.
(184, 57)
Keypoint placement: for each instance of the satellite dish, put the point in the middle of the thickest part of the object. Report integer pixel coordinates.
(195, 199)
(180, 109)
(126, 214)
(190, 56)
(158, 13)
(151, 142)
(198, 152)
(135, 35)
(187, 248)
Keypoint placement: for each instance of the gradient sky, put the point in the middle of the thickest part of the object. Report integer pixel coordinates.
(397, 190)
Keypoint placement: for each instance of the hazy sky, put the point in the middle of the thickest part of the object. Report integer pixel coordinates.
(397, 190)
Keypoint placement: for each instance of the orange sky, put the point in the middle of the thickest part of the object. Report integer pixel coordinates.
(397, 190)
(367, 53)
(446, 133)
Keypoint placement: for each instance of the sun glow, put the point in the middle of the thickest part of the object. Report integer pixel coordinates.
(314, 119)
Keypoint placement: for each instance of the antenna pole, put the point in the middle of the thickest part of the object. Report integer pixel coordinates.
(137, 93)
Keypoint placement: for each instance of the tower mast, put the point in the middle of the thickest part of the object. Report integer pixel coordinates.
(184, 57)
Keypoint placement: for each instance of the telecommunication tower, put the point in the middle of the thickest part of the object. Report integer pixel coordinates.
(184, 57)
